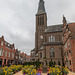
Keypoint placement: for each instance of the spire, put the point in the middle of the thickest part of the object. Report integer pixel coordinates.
(41, 8)
(64, 19)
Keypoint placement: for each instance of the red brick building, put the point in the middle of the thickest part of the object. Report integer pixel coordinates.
(17, 57)
(20, 57)
(23, 57)
(69, 44)
(48, 39)
(28, 58)
(7, 52)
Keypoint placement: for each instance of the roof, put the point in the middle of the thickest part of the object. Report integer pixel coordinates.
(41, 48)
(54, 43)
(72, 29)
(41, 8)
(6, 43)
(54, 28)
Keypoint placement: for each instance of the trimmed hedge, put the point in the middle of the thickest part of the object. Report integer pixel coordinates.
(37, 64)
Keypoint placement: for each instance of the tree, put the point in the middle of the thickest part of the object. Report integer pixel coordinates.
(51, 63)
(59, 63)
(54, 63)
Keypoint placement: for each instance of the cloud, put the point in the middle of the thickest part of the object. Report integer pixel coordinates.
(17, 19)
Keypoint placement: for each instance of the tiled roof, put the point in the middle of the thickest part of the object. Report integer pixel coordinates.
(54, 28)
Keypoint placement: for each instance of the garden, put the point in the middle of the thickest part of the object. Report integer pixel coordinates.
(30, 69)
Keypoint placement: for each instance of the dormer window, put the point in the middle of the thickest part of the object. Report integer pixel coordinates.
(1, 43)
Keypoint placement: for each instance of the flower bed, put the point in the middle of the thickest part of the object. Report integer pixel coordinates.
(29, 70)
(10, 70)
(58, 70)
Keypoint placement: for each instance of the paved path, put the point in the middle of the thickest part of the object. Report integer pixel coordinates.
(20, 73)
(71, 73)
(44, 73)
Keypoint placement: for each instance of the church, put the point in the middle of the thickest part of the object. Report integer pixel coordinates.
(54, 42)
(48, 39)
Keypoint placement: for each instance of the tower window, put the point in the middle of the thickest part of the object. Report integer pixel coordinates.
(42, 20)
(38, 20)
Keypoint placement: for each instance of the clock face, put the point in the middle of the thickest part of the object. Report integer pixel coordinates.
(40, 11)
(41, 36)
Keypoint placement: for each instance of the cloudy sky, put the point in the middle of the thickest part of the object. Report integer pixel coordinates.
(17, 19)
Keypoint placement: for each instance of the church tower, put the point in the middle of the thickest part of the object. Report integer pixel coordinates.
(41, 25)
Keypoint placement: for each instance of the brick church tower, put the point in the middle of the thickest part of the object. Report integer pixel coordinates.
(41, 25)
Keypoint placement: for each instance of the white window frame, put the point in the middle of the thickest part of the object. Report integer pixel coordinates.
(2, 43)
(9, 54)
(53, 38)
(6, 53)
(49, 39)
(12, 55)
(1, 52)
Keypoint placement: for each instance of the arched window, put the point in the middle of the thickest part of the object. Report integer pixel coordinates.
(40, 54)
(38, 20)
(42, 20)
(49, 39)
(52, 52)
(53, 38)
